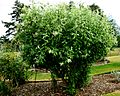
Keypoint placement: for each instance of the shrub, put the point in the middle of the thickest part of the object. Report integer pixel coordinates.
(12, 68)
(66, 40)
(4, 89)
(116, 75)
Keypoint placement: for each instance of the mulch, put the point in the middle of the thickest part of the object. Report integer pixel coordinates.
(100, 84)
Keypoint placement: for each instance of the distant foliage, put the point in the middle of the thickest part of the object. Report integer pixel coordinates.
(66, 40)
(95, 8)
(12, 25)
(118, 39)
(15, 18)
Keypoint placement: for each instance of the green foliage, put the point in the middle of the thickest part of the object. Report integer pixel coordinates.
(95, 8)
(115, 27)
(4, 89)
(118, 39)
(65, 40)
(15, 18)
(12, 68)
(116, 74)
(11, 27)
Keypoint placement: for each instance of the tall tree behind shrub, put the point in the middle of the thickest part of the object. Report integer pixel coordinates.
(118, 39)
(64, 40)
(15, 18)
(11, 25)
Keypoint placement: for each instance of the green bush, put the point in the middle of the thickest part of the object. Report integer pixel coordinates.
(4, 89)
(118, 39)
(12, 68)
(66, 40)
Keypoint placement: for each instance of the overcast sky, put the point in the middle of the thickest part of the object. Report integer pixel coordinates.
(110, 7)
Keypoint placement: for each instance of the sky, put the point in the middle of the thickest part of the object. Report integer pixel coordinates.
(110, 7)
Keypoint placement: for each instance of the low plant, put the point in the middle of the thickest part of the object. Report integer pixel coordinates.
(12, 68)
(116, 75)
(4, 89)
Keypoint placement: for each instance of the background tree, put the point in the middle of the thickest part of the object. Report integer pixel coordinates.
(5, 44)
(95, 8)
(65, 41)
(115, 26)
(118, 39)
(11, 26)
(116, 29)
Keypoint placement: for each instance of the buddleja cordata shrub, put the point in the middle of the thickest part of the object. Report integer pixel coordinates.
(64, 40)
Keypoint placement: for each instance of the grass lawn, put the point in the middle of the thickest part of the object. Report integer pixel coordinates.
(114, 58)
(94, 71)
(116, 93)
(40, 76)
(105, 68)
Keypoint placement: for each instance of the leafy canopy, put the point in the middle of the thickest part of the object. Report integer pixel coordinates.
(64, 39)
(67, 33)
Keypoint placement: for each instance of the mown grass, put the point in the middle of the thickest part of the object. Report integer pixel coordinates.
(95, 70)
(105, 68)
(114, 58)
(39, 76)
(116, 93)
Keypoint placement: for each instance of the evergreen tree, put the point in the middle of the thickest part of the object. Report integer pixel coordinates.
(96, 8)
(11, 26)
(15, 19)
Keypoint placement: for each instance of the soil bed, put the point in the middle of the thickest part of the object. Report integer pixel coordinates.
(101, 84)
